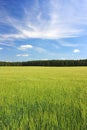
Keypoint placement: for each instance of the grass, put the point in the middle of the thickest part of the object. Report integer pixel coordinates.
(43, 98)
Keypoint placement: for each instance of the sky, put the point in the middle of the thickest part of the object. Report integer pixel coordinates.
(43, 29)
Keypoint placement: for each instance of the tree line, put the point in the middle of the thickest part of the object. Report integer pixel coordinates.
(47, 63)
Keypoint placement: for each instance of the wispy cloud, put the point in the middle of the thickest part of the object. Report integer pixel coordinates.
(76, 50)
(1, 48)
(40, 49)
(52, 21)
(25, 47)
(35, 48)
(67, 44)
(7, 44)
(22, 55)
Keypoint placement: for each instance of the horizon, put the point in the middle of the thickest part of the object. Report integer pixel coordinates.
(43, 30)
(46, 60)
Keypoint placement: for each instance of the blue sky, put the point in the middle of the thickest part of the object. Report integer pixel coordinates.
(43, 29)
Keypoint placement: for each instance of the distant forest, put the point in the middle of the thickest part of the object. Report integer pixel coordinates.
(47, 63)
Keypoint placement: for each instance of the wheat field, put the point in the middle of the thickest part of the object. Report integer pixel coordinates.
(43, 98)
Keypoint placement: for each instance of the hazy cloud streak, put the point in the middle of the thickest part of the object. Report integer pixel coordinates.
(22, 55)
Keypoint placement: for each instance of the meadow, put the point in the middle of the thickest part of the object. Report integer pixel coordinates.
(43, 98)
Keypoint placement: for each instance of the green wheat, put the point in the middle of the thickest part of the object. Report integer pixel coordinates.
(43, 98)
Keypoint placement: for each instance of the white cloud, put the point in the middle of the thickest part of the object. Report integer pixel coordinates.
(22, 55)
(1, 48)
(61, 20)
(76, 50)
(25, 47)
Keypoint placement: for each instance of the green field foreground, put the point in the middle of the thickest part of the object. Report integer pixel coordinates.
(43, 98)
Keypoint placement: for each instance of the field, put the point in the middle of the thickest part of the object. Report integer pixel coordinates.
(43, 98)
